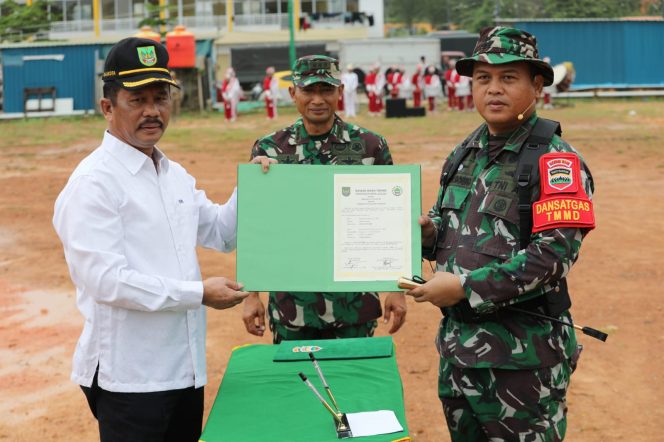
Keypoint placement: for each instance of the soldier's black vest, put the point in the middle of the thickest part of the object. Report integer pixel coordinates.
(556, 300)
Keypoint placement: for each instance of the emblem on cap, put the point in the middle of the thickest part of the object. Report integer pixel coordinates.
(147, 55)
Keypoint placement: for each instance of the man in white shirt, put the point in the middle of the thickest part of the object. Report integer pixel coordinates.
(129, 220)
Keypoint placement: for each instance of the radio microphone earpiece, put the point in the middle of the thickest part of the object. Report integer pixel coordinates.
(520, 116)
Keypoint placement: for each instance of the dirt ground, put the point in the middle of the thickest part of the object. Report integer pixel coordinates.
(615, 394)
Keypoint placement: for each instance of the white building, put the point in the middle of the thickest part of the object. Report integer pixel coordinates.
(110, 19)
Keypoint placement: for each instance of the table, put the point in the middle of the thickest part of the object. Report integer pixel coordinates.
(262, 400)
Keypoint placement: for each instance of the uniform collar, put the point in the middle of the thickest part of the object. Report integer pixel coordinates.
(480, 138)
(130, 157)
(338, 132)
(520, 134)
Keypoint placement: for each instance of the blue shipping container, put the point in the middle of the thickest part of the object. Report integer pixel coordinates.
(70, 69)
(605, 53)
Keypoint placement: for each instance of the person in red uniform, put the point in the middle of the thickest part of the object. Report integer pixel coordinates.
(432, 87)
(270, 92)
(373, 86)
(231, 93)
(416, 81)
(394, 79)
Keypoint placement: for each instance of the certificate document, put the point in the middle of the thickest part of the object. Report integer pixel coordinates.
(372, 226)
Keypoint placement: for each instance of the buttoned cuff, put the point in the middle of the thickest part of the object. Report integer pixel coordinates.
(192, 294)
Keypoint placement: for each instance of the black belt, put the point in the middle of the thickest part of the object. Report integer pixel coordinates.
(463, 312)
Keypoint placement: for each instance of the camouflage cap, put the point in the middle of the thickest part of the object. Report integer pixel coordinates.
(315, 69)
(499, 45)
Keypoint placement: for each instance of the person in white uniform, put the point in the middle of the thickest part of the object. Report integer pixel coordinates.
(129, 220)
(350, 81)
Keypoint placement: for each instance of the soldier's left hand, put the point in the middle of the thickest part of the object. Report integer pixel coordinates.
(395, 309)
(264, 162)
(443, 290)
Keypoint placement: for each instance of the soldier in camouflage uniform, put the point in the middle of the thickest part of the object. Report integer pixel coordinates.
(503, 374)
(319, 136)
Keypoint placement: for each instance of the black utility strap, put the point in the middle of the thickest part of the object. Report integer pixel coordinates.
(527, 173)
(459, 155)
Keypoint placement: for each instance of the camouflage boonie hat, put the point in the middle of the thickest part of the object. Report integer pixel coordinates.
(499, 45)
(315, 69)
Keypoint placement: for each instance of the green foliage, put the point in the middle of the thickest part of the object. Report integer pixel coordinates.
(21, 22)
(154, 19)
(473, 15)
(403, 10)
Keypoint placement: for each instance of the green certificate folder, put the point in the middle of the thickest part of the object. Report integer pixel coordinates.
(287, 227)
(260, 400)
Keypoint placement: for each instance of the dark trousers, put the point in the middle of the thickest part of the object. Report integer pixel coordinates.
(162, 416)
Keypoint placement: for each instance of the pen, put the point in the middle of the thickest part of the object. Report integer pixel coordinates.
(325, 404)
(322, 378)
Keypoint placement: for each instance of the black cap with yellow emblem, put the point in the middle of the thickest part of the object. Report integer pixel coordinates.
(134, 63)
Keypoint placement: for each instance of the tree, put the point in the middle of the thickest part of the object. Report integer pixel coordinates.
(437, 12)
(154, 19)
(473, 15)
(404, 11)
(21, 22)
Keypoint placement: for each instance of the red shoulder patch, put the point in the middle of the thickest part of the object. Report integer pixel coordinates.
(563, 201)
(560, 173)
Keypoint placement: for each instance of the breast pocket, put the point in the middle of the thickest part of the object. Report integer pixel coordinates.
(186, 221)
(499, 237)
(451, 209)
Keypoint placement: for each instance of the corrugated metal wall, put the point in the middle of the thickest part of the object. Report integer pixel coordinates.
(70, 69)
(617, 54)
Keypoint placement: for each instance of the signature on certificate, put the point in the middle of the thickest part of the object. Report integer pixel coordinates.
(386, 262)
(351, 263)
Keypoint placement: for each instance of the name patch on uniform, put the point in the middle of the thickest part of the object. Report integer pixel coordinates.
(563, 212)
(563, 202)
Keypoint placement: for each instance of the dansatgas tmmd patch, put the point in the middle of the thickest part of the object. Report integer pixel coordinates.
(563, 201)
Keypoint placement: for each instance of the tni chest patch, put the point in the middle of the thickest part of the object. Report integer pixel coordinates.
(349, 153)
(288, 158)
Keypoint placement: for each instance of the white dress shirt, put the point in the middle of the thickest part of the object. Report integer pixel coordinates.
(129, 236)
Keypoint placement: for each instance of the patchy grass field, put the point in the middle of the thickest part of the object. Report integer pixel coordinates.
(614, 395)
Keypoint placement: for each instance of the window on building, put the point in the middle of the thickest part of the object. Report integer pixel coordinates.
(306, 6)
(108, 9)
(138, 8)
(54, 10)
(248, 7)
(271, 7)
(123, 9)
(321, 5)
(188, 8)
(353, 5)
(219, 7)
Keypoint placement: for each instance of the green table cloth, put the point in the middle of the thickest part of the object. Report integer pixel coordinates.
(263, 400)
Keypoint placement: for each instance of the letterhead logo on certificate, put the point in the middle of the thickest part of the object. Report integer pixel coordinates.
(372, 226)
